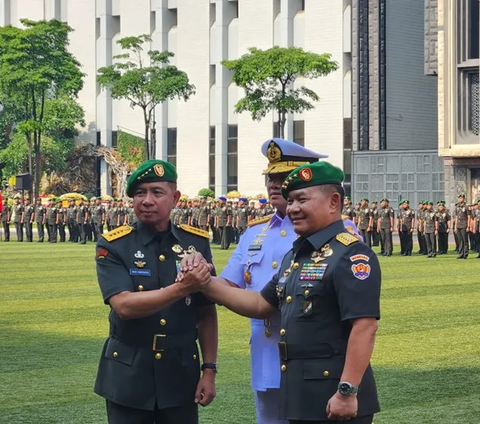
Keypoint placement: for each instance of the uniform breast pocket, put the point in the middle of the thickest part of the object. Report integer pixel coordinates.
(145, 283)
(307, 300)
(251, 262)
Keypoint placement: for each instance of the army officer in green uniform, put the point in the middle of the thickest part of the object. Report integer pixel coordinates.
(150, 367)
(328, 292)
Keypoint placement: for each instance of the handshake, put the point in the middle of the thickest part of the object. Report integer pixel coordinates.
(194, 273)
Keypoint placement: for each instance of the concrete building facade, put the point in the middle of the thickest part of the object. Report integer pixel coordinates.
(210, 144)
(394, 116)
(454, 56)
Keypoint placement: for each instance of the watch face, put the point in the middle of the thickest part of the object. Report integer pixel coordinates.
(345, 388)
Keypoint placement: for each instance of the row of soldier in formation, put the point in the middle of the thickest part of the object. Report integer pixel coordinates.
(433, 226)
(226, 219)
(85, 220)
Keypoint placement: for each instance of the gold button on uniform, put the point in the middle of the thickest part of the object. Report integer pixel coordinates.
(283, 368)
(158, 356)
(274, 265)
(326, 373)
(115, 354)
(268, 333)
(140, 288)
(283, 233)
(282, 332)
(295, 265)
(289, 299)
(194, 356)
(307, 292)
(161, 258)
(163, 322)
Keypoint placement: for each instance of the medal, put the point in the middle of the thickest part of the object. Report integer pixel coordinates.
(247, 276)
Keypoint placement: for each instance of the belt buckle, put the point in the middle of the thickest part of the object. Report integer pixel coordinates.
(282, 348)
(159, 342)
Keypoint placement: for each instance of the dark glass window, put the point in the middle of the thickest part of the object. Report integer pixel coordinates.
(232, 158)
(172, 146)
(299, 132)
(211, 159)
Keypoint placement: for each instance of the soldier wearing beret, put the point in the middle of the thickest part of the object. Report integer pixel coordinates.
(98, 218)
(72, 221)
(29, 217)
(430, 229)
(6, 216)
(242, 216)
(347, 208)
(61, 220)
(52, 221)
(40, 218)
(444, 221)
(327, 289)
(18, 217)
(82, 217)
(385, 221)
(462, 221)
(149, 369)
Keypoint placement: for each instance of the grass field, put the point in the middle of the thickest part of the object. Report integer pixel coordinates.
(53, 324)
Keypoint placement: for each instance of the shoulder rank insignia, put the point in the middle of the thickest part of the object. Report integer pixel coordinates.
(344, 217)
(259, 221)
(117, 233)
(196, 231)
(346, 239)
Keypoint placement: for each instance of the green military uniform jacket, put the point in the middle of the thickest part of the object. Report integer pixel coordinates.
(324, 282)
(154, 360)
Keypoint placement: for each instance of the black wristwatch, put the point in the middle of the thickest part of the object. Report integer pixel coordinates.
(210, 366)
(347, 389)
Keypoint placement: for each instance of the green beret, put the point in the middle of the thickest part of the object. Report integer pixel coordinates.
(151, 171)
(385, 200)
(406, 201)
(364, 199)
(429, 203)
(312, 174)
(347, 197)
(374, 202)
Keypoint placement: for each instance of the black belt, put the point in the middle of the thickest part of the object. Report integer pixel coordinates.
(160, 342)
(322, 350)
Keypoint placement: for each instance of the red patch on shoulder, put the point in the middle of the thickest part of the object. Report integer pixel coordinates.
(101, 253)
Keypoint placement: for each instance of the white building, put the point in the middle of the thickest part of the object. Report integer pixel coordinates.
(208, 142)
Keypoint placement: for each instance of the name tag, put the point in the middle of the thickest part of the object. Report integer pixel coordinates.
(141, 272)
(255, 247)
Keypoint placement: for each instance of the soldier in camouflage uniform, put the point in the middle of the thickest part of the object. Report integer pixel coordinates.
(420, 235)
(19, 217)
(98, 219)
(212, 221)
(29, 217)
(82, 215)
(131, 218)
(52, 221)
(476, 226)
(375, 233)
(252, 212)
(40, 217)
(224, 223)
(365, 222)
(462, 221)
(72, 221)
(242, 216)
(444, 221)
(203, 212)
(385, 222)
(347, 208)
(430, 229)
(6, 216)
(61, 220)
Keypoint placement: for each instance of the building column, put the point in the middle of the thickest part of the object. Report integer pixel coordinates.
(288, 10)
(52, 9)
(4, 12)
(224, 15)
(104, 99)
(163, 24)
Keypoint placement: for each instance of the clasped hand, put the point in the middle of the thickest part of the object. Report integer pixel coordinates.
(194, 273)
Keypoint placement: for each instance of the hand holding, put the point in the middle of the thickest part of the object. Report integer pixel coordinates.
(196, 279)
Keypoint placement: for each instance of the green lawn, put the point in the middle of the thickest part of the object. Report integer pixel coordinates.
(53, 324)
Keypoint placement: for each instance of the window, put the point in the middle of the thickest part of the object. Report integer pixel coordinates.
(299, 132)
(172, 146)
(114, 139)
(467, 31)
(232, 158)
(211, 159)
(276, 130)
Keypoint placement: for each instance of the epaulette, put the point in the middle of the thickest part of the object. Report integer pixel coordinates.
(259, 221)
(196, 231)
(346, 239)
(118, 233)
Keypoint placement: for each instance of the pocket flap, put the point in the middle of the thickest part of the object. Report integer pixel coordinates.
(322, 369)
(249, 259)
(120, 352)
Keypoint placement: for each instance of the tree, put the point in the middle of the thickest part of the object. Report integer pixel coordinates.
(268, 76)
(35, 65)
(144, 86)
